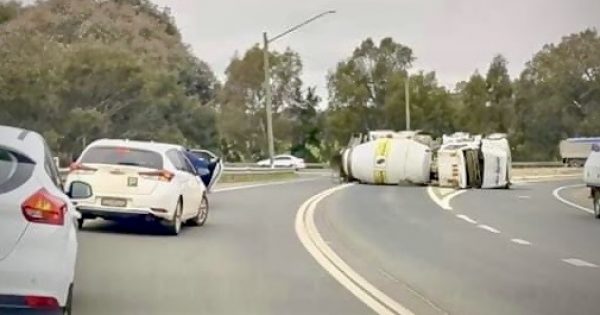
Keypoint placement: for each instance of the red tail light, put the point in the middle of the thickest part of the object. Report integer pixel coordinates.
(42, 302)
(80, 167)
(163, 175)
(44, 208)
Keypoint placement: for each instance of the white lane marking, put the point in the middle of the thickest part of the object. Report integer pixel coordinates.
(488, 228)
(435, 198)
(579, 263)
(542, 178)
(309, 236)
(556, 194)
(520, 241)
(524, 197)
(466, 218)
(264, 184)
(443, 202)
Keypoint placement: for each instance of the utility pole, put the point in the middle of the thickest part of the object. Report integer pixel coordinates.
(268, 99)
(407, 100)
(268, 92)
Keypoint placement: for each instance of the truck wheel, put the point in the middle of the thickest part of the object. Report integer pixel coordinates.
(80, 222)
(597, 205)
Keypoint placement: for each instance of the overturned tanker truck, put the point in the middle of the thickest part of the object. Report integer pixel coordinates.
(458, 161)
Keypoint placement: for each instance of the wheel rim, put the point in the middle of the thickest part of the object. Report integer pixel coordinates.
(203, 211)
(177, 220)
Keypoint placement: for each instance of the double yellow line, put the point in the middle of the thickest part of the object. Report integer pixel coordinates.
(383, 147)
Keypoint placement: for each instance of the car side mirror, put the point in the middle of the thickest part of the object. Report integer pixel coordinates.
(79, 190)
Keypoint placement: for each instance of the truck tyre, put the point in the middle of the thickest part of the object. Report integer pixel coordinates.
(597, 204)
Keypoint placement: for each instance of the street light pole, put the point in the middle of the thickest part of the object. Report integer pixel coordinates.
(407, 101)
(267, 83)
(268, 99)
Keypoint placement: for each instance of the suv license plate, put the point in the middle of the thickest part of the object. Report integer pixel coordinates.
(113, 202)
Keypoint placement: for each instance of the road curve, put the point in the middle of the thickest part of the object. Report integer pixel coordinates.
(518, 251)
(246, 260)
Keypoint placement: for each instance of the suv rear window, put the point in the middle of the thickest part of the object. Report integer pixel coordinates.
(123, 156)
(15, 170)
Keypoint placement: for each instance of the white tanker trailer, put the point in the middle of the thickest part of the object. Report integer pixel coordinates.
(388, 160)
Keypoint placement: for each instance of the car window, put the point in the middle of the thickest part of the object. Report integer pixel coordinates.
(180, 162)
(187, 165)
(282, 158)
(8, 166)
(123, 156)
(203, 155)
(15, 170)
(50, 167)
(175, 160)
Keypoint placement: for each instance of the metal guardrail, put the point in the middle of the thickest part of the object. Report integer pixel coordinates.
(252, 169)
(537, 164)
(238, 165)
(228, 171)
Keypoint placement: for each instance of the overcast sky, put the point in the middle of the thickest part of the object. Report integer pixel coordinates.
(452, 37)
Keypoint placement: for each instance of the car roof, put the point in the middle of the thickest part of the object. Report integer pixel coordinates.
(133, 144)
(24, 141)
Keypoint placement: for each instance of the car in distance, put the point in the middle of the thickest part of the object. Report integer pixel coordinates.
(284, 160)
(138, 180)
(38, 242)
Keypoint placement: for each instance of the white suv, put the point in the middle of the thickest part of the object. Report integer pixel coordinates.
(38, 242)
(122, 179)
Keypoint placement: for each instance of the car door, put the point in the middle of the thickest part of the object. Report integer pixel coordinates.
(280, 161)
(50, 166)
(286, 161)
(215, 167)
(195, 187)
(182, 179)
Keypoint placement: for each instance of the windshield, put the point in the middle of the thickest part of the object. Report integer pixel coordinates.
(122, 156)
(266, 157)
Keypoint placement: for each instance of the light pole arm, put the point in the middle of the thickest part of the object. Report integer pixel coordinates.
(292, 29)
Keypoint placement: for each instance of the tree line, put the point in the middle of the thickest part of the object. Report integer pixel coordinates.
(78, 70)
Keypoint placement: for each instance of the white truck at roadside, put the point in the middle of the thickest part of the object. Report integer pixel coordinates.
(591, 177)
(466, 161)
(574, 151)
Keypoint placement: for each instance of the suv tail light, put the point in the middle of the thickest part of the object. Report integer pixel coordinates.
(80, 167)
(41, 302)
(42, 207)
(164, 175)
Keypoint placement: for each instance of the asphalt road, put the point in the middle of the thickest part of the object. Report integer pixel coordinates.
(245, 260)
(519, 251)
